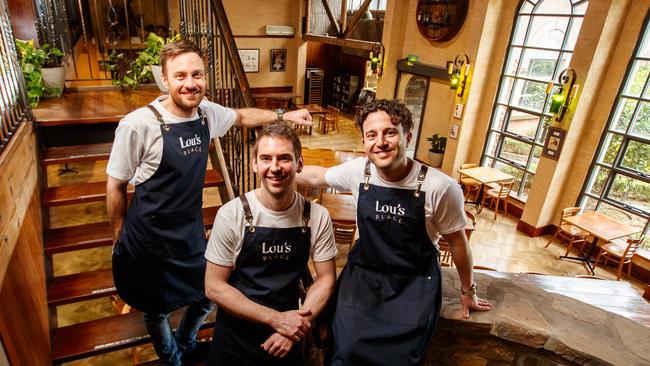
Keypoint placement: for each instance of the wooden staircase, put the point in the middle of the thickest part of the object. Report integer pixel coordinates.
(118, 331)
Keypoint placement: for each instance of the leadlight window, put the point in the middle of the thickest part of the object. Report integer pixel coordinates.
(541, 45)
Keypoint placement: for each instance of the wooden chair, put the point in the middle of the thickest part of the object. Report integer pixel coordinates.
(330, 121)
(567, 231)
(443, 244)
(344, 233)
(468, 184)
(496, 195)
(472, 220)
(484, 268)
(622, 251)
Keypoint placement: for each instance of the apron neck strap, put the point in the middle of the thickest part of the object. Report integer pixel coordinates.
(366, 174)
(247, 212)
(306, 215)
(421, 175)
(200, 112)
(159, 117)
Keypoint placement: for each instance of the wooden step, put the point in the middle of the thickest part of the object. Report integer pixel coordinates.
(105, 335)
(94, 192)
(81, 286)
(97, 235)
(76, 153)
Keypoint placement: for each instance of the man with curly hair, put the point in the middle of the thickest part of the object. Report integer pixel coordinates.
(389, 293)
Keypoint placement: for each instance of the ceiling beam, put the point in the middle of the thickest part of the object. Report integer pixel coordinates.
(355, 18)
(328, 10)
(354, 43)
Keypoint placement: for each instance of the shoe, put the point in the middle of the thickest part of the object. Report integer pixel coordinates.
(198, 355)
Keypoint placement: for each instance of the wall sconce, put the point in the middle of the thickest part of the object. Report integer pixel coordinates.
(566, 93)
(377, 62)
(458, 71)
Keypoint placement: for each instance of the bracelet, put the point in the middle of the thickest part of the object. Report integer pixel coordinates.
(470, 292)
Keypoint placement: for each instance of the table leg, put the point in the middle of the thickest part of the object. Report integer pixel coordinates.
(586, 259)
(477, 202)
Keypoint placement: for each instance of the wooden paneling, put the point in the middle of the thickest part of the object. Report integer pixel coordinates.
(23, 24)
(24, 314)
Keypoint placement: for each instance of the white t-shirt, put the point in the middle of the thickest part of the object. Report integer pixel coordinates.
(444, 203)
(138, 145)
(227, 235)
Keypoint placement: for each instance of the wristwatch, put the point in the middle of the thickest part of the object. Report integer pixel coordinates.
(470, 292)
(280, 113)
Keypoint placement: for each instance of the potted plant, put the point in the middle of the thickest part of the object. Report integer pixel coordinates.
(437, 150)
(145, 68)
(42, 69)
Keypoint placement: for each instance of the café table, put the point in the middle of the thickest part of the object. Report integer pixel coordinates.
(602, 227)
(341, 207)
(484, 175)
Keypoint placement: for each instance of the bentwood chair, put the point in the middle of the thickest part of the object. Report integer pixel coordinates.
(568, 232)
(620, 250)
(443, 244)
(330, 121)
(496, 195)
(468, 184)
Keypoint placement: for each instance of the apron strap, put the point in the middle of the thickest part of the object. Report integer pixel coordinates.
(421, 175)
(366, 174)
(200, 112)
(159, 117)
(247, 212)
(306, 215)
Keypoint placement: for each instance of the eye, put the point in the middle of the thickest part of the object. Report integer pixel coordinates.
(391, 133)
(371, 135)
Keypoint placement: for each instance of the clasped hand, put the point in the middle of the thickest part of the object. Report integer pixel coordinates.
(290, 326)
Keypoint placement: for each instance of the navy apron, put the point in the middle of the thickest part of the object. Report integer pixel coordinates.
(389, 293)
(158, 261)
(267, 272)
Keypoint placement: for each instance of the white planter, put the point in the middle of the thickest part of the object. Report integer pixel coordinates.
(435, 159)
(54, 78)
(156, 70)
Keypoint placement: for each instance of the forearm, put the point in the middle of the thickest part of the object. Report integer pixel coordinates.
(312, 176)
(255, 117)
(236, 303)
(462, 256)
(116, 202)
(319, 293)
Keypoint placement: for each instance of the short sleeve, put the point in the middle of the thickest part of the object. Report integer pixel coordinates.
(224, 237)
(126, 153)
(342, 177)
(324, 244)
(449, 215)
(220, 118)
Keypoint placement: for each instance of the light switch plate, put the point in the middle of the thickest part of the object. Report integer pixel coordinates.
(458, 110)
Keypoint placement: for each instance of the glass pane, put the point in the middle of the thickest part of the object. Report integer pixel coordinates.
(528, 182)
(637, 78)
(513, 60)
(537, 151)
(499, 117)
(514, 171)
(637, 157)
(526, 7)
(493, 142)
(547, 31)
(623, 115)
(644, 50)
(538, 64)
(641, 124)
(623, 216)
(564, 62)
(631, 192)
(580, 9)
(506, 89)
(514, 150)
(523, 124)
(520, 30)
(597, 180)
(541, 135)
(529, 94)
(488, 162)
(574, 30)
(554, 7)
(612, 144)
(589, 204)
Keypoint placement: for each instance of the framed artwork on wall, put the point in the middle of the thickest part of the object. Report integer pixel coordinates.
(554, 142)
(279, 59)
(250, 58)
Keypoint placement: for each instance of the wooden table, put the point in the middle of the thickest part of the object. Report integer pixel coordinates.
(313, 109)
(601, 227)
(341, 207)
(484, 175)
(328, 158)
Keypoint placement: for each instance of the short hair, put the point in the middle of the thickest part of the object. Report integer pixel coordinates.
(395, 109)
(173, 49)
(283, 130)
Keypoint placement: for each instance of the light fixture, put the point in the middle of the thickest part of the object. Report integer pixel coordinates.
(458, 70)
(565, 94)
(376, 62)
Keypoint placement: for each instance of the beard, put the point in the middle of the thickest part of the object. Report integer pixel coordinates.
(184, 103)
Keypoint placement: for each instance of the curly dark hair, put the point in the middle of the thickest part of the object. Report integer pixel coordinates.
(397, 111)
(173, 49)
(283, 130)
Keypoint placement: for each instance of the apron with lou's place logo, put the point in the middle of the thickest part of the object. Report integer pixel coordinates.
(389, 293)
(158, 261)
(267, 271)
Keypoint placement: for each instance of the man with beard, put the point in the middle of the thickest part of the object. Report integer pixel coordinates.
(259, 246)
(158, 258)
(389, 293)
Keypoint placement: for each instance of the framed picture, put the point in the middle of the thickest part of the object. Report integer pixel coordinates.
(554, 142)
(250, 58)
(279, 59)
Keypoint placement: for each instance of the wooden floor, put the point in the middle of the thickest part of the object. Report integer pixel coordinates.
(495, 243)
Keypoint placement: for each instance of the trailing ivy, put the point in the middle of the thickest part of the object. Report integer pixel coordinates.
(32, 60)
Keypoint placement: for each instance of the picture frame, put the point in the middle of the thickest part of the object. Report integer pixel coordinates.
(554, 142)
(250, 59)
(278, 60)
(453, 131)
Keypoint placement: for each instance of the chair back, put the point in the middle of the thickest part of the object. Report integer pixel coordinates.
(568, 212)
(468, 165)
(333, 112)
(344, 233)
(632, 247)
(505, 187)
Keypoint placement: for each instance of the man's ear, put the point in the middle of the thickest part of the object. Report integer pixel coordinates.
(409, 136)
(163, 77)
(254, 165)
(301, 164)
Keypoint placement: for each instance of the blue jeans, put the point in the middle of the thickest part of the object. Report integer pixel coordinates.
(170, 346)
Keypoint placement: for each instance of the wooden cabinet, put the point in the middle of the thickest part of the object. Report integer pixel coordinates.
(345, 90)
(440, 20)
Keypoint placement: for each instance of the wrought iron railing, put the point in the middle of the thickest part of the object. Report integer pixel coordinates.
(205, 22)
(14, 107)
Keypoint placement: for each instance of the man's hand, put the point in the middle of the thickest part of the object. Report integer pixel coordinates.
(473, 302)
(299, 116)
(278, 345)
(292, 324)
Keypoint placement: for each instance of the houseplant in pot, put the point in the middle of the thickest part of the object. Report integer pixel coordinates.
(42, 69)
(437, 150)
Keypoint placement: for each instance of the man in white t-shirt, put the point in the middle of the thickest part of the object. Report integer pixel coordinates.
(258, 249)
(389, 295)
(158, 258)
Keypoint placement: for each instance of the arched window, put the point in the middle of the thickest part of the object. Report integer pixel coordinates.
(541, 45)
(619, 179)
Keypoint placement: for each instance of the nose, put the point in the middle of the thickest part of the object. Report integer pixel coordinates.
(275, 165)
(189, 83)
(381, 139)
